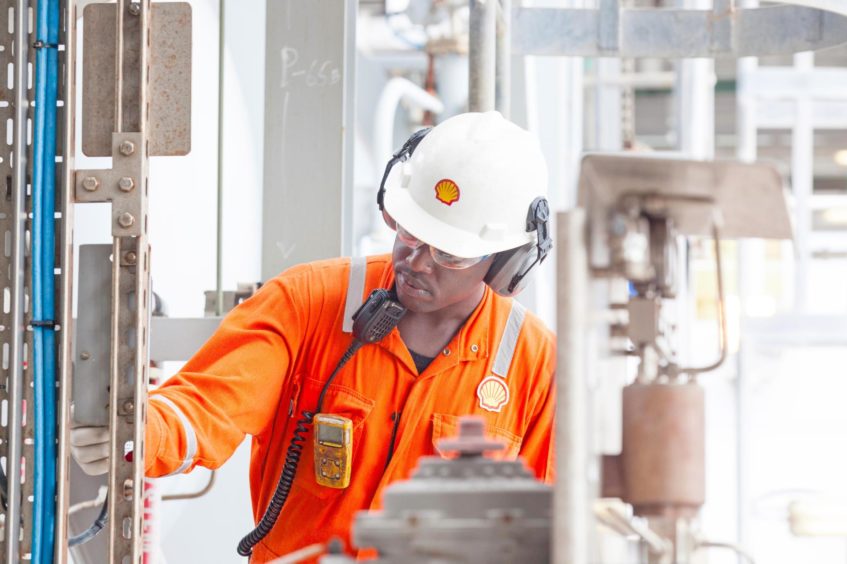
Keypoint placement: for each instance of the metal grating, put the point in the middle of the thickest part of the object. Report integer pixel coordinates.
(8, 165)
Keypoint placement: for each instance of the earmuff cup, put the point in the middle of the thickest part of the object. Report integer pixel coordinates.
(507, 274)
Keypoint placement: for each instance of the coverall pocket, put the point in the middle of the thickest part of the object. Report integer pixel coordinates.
(345, 402)
(445, 426)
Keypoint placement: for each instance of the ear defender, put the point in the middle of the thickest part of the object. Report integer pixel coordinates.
(507, 274)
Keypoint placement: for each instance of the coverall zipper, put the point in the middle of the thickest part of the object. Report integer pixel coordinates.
(395, 417)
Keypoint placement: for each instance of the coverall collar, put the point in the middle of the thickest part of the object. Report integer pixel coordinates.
(470, 342)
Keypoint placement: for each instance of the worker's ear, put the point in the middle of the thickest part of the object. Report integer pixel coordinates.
(389, 221)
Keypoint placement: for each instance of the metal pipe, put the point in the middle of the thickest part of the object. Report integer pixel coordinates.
(802, 183)
(16, 358)
(742, 554)
(722, 321)
(219, 290)
(571, 509)
(66, 288)
(746, 135)
(503, 61)
(482, 54)
(194, 495)
(658, 544)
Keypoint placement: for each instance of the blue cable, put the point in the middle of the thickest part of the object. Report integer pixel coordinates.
(43, 264)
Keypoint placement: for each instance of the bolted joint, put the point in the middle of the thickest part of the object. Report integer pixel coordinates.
(126, 220)
(126, 148)
(135, 8)
(130, 257)
(90, 183)
(126, 184)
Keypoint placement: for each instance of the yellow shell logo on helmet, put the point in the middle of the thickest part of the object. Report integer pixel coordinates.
(446, 191)
(493, 394)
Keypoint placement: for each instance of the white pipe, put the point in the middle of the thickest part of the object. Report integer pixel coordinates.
(91, 503)
(658, 545)
(396, 90)
(650, 79)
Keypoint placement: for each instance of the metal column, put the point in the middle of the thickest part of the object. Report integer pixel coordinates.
(503, 62)
(309, 86)
(695, 91)
(482, 54)
(571, 501)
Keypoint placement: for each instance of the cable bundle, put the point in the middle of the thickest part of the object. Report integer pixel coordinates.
(43, 282)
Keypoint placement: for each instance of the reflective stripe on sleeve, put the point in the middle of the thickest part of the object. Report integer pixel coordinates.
(190, 437)
(509, 340)
(355, 289)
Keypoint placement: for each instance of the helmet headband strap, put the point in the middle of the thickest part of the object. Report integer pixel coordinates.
(400, 156)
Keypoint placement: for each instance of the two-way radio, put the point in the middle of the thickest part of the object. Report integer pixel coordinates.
(372, 322)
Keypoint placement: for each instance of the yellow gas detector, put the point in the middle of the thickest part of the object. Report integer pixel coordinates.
(333, 450)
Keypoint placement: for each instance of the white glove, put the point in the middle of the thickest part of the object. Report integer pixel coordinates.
(90, 448)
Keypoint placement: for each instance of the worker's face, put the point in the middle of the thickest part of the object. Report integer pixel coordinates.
(423, 286)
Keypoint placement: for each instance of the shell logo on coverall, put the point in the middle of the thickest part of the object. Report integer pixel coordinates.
(493, 394)
(447, 191)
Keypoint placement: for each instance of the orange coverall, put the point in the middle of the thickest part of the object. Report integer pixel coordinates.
(268, 361)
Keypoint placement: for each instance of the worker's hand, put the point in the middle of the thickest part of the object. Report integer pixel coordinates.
(90, 448)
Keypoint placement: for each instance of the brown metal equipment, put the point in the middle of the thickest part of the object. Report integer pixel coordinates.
(663, 457)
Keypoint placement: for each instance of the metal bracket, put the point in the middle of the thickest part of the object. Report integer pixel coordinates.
(93, 343)
(118, 185)
(675, 33)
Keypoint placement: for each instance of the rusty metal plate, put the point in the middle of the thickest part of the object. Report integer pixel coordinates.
(750, 197)
(169, 86)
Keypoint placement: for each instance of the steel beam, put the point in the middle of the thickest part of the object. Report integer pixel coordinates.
(130, 287)
(676, 33)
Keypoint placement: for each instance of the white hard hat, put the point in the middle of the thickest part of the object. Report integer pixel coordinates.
(468, 185)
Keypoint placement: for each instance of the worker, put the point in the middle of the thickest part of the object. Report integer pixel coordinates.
(466, 199)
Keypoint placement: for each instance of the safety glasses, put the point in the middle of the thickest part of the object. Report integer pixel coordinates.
(440, 258)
